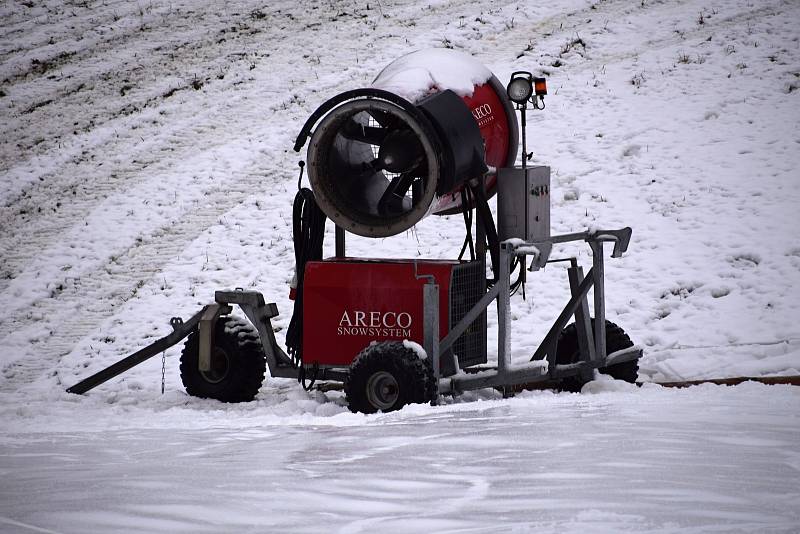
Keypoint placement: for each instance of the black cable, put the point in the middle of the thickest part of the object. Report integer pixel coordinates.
(308, 233)
(302, 165)
(493, 242)
(520, 282)
(466, 209)
(301, 376)
(512, 289)
(485, 218)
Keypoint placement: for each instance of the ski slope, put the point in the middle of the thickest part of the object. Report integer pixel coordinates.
(146, 161)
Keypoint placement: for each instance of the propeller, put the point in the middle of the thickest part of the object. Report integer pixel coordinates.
(397, 168)
(373, 165)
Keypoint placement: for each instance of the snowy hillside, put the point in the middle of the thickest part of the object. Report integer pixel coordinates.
(146, 161)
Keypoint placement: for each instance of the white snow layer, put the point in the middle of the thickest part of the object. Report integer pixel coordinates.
(145, 161)
(423, 72)
(417, 348)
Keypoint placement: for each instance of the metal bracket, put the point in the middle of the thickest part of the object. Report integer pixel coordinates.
(621, 238)
(208, 322)
(539, 260)
(260, 313)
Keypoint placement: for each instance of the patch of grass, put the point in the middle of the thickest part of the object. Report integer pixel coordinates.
(572, 44)
(36, 106)
(638, 79)
(527, 49)
(686, 59)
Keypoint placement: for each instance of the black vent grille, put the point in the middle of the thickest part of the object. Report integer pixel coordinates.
(467, 288)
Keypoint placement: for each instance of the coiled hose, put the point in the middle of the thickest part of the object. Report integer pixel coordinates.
(308, 233)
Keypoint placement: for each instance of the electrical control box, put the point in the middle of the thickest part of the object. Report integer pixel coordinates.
(523, 203)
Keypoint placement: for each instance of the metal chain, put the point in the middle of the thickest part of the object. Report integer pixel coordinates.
(163, 370)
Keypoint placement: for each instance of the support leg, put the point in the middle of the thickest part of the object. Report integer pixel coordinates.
(503, 311)
(599, 300)
(430, 304)
(582, 324)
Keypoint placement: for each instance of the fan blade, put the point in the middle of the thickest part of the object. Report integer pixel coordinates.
(367, 186)
(401, 152)
(417, 190)
(355, 131)
(386, 120)
(394, 200)
(368, 169)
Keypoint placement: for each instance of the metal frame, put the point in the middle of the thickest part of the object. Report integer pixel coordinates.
(180, 330)
(257, 311)
(592, 345)
(260, 314)
(505, 375)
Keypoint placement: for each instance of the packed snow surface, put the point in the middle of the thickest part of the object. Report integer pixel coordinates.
(145, 161)
(612, 459)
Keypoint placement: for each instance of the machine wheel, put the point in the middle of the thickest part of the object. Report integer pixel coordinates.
(616, 339)
(386, 376)
(237, 363)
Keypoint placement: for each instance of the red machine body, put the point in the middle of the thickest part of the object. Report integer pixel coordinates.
(489, 112)
(349, 303)
(493, 121)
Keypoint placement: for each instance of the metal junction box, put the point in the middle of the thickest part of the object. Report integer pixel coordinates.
(523, 203)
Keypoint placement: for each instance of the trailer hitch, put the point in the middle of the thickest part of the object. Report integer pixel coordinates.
(180, 329)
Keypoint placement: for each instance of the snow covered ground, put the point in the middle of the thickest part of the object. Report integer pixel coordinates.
(718, 460)
(146, 161)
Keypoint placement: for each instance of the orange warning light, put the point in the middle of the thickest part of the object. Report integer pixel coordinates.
(540, 86)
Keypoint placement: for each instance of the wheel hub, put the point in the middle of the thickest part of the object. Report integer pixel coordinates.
(382, 390)
(220, 365)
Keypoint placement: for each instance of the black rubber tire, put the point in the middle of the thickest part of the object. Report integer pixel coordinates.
(237, 360)
(616, 339)
(412, 377)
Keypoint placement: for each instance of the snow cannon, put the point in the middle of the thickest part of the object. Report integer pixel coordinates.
(382, 158)
(435, 133)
